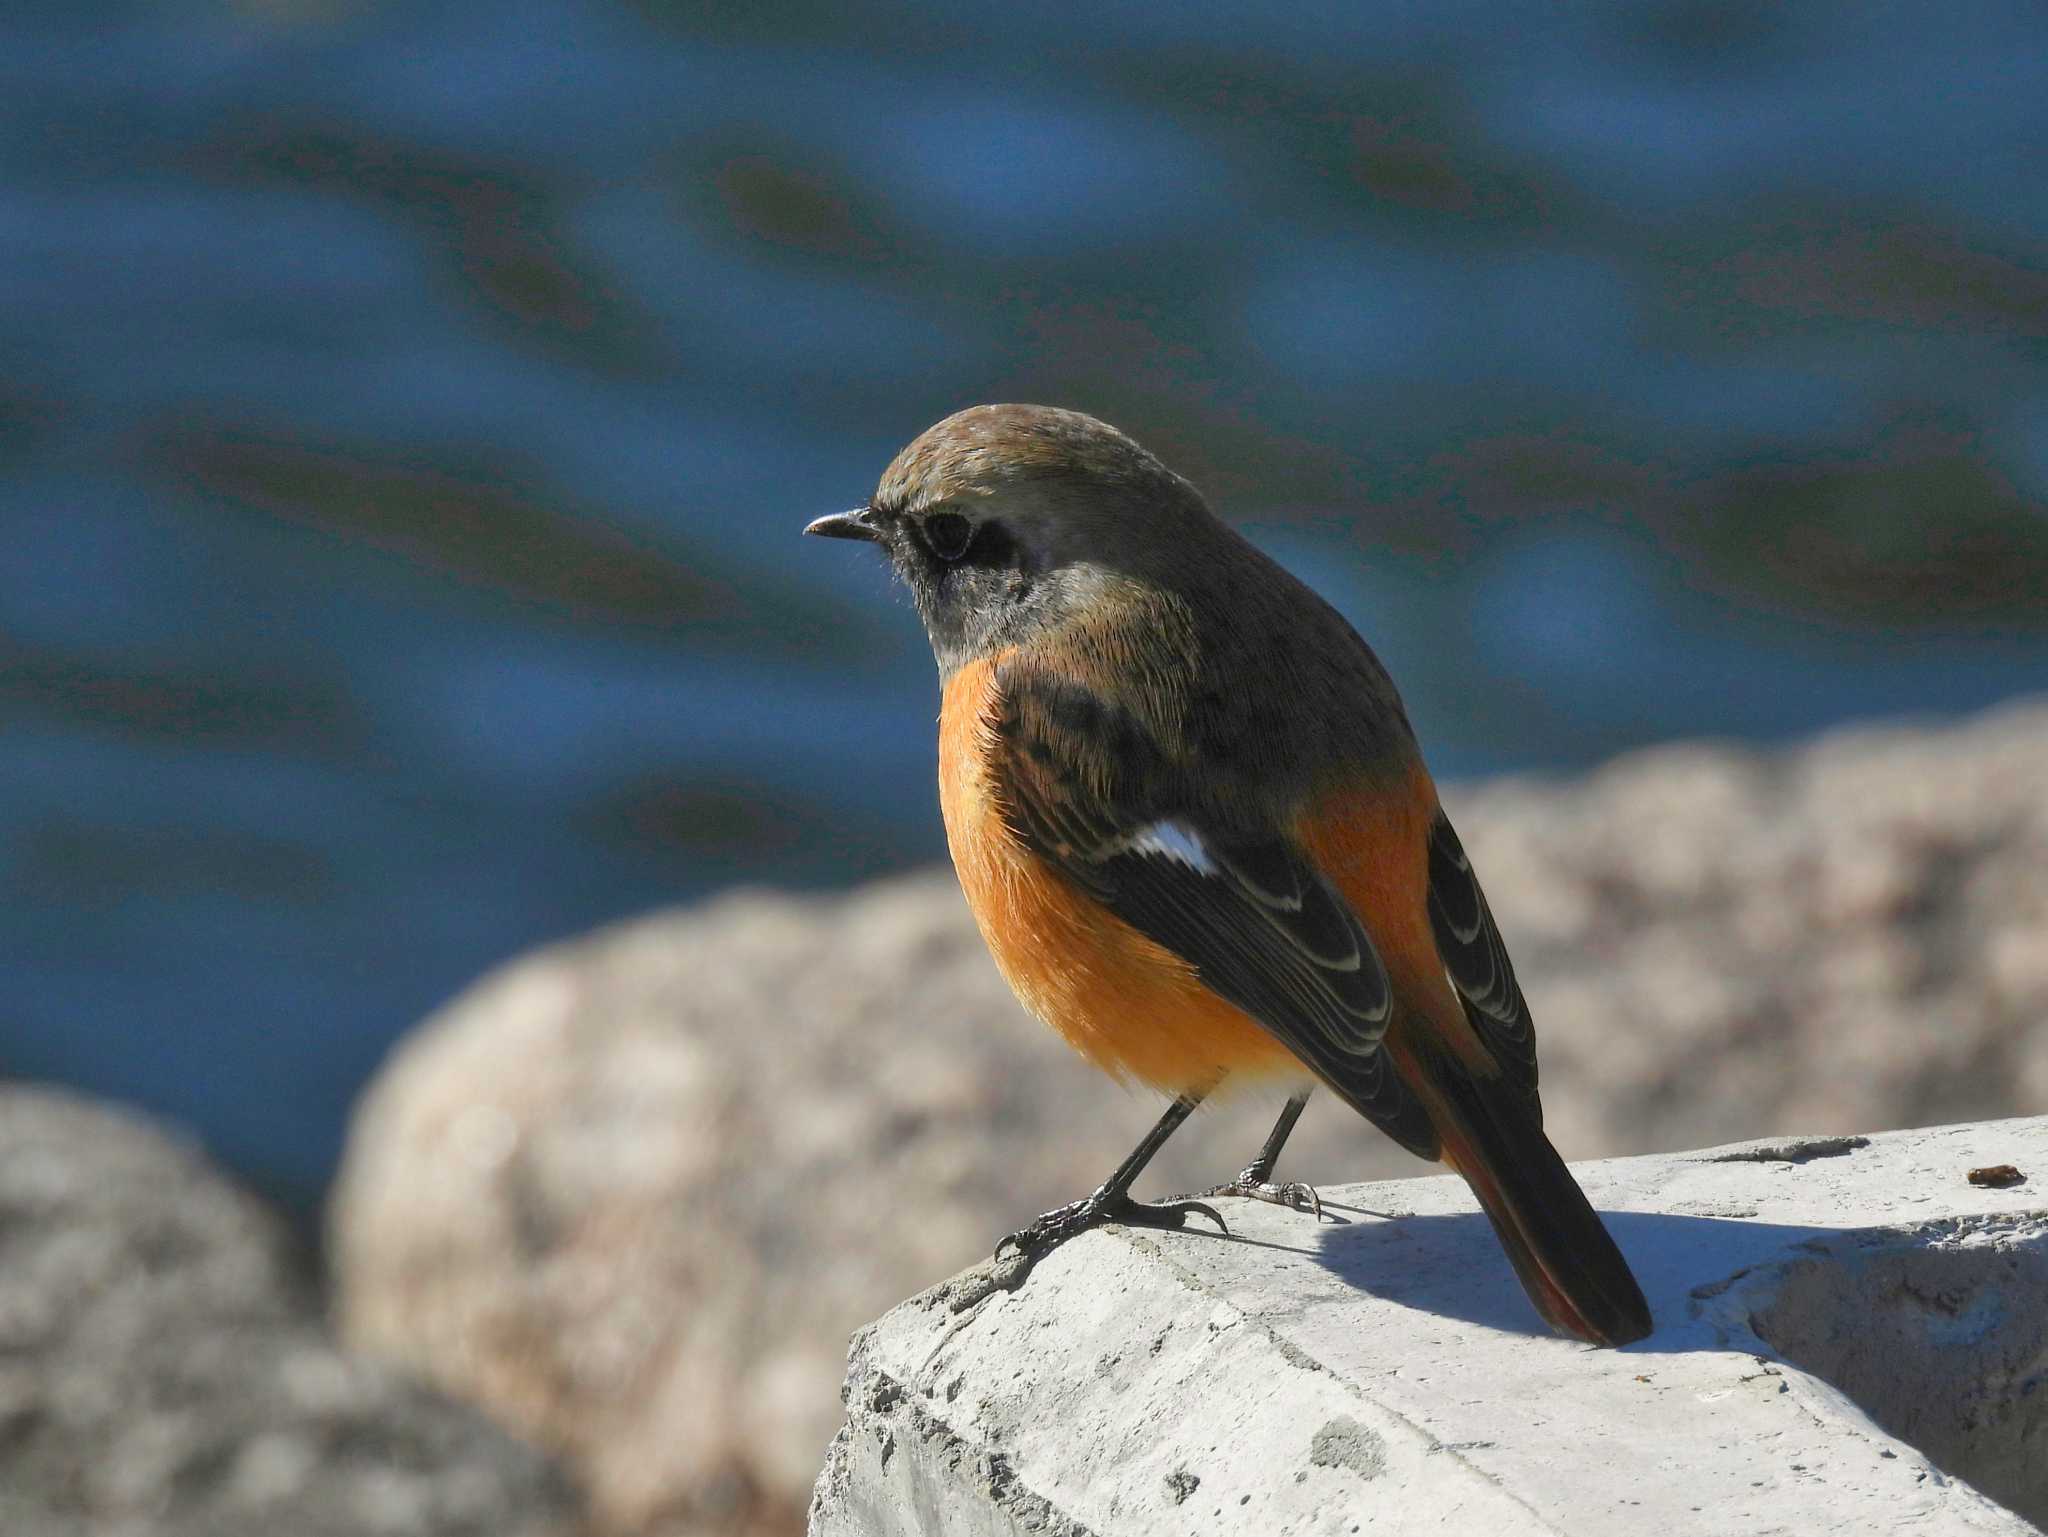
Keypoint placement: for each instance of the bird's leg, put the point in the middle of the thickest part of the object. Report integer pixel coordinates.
(1111, 1200)
(1256, 1178)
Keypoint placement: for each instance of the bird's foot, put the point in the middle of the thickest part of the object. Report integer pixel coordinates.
(1294, 1195)
(1033, 1243)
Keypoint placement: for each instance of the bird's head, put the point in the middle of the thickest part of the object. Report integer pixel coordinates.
(1002, 519)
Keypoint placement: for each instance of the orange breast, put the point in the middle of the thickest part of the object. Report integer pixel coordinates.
(1128, 1005)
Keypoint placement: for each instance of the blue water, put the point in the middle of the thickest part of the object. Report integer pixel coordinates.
(407, 413)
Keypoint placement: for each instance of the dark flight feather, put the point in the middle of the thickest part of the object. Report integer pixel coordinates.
(1476, 960)
(1248, 911)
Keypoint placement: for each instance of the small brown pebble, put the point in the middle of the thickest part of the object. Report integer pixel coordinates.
(1997, 1176)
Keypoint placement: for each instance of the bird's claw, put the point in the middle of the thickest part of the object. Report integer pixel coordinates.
(1175, 1214)
(1076, 1217)
(1294, 1195)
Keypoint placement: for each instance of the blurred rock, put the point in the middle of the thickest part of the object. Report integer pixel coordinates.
(1720, 943)
(632, 1193)
(163, 1369)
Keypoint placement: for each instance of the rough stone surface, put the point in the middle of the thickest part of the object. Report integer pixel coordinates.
(1841, 1341)
(163, 1369)
(631, 1193)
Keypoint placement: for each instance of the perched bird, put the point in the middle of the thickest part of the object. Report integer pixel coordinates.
(1192, 821)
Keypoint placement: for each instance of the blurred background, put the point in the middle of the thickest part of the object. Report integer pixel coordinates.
(408, 411)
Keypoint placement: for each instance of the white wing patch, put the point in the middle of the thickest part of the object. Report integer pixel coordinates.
(1178, 842)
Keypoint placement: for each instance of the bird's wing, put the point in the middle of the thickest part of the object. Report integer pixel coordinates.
(1476, 960)
(1084, 784)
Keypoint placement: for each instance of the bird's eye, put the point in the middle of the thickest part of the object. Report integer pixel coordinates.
(948, 534)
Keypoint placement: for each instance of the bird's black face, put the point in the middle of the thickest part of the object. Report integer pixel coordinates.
(971, 576)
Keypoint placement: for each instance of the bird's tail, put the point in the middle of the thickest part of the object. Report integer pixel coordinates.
(1492, 1135)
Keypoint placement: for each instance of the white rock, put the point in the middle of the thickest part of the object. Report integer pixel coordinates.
(1847, 1331)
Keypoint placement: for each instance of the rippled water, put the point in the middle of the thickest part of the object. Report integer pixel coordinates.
(407, 412)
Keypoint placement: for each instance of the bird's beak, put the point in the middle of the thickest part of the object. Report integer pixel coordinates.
(845, 525)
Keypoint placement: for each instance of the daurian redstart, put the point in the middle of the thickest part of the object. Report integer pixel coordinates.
(1192, 821)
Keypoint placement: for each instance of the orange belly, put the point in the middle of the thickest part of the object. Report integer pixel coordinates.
(1130, 1006)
